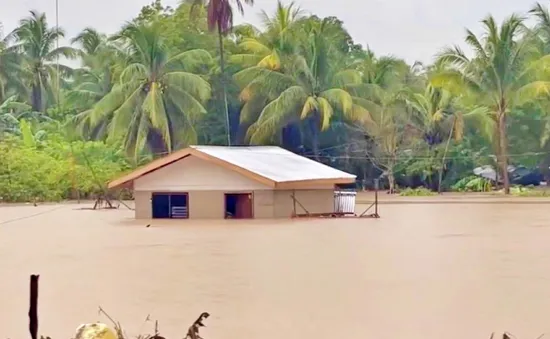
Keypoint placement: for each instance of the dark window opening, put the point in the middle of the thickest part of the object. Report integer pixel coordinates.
(170, 206)
(179, 206)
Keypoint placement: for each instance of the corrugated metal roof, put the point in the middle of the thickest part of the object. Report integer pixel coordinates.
(270, 165)
(274, 163)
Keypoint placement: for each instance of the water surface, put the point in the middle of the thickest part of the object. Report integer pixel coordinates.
(422, 271)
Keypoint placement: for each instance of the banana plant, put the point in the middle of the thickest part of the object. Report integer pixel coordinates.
(14, 115)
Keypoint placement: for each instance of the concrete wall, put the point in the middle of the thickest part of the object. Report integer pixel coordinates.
(194, 174)
(202, 205)
(266, 204)
(314, 201)
(206, 205)
(211, 204)
(143, 207)
(263, 204)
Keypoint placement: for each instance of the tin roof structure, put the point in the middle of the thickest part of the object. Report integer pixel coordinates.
(271, 165)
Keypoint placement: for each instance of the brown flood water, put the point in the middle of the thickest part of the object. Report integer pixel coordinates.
(422, 271)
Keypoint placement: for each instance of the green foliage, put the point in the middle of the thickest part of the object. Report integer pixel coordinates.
(472, 184)
(417, 192)
(184, 75)
(504, 74)
(528, 191)
(56, 169)
(41, 75)
(159, 97)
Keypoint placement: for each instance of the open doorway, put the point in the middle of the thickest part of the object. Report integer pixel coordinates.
(170, 205)
(238, 206)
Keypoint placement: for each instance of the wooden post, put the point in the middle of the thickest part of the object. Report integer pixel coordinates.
(294, 202)
(33, 308)
(376, 184)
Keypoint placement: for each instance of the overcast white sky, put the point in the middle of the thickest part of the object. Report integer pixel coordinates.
(412, 29)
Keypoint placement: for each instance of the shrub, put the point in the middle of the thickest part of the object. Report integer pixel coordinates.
(55, 169)
(528, 191)
(417, 192)
(472, 184)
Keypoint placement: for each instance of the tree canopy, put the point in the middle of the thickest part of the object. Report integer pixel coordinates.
(172, 77)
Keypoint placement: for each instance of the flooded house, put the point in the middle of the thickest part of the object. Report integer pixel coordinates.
(216, 182)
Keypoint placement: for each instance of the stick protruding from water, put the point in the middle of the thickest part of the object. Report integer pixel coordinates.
(33, 308)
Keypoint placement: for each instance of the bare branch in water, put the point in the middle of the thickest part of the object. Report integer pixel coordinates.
(116, 324)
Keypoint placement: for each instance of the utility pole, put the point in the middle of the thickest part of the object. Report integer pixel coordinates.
(57, 46)
(58, 94)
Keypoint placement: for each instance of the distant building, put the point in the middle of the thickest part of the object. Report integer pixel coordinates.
(216, 182)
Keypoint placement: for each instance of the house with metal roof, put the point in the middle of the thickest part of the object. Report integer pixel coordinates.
(216, 182)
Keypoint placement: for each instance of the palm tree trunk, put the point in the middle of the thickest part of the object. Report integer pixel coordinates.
(444, 156)
(2, 91)
(224, 88)
(156, 144)
(241, 134)
(36, 98)
(503, 151)
(315, 141)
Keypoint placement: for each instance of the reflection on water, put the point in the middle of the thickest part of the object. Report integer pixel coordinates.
(422, 271)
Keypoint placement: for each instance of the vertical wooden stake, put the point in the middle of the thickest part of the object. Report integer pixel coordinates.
(294, 202)
(376, 186)
(33, 309)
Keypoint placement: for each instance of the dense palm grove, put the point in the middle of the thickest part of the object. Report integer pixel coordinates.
(175, 77)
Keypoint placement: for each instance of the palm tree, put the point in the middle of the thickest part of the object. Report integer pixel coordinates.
(158, 97)
(36, 42)
(387, 127)
(270, 50)
(438, 116)
(91, 42)
(220, 18)
(542, 27)
(432, 113)
(539, 38)
(304, 90)
(267, 50)
(387, 71)
(278, 27)
(378, 70)
(10, 70)
(101, 62)
(498, 75)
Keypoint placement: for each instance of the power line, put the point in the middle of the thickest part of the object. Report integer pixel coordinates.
(57, 47)
(399, 157)
(31, 216)
(353, 143)
(411, 157)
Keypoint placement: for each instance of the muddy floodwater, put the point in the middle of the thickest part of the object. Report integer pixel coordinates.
(422, 271)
